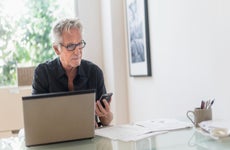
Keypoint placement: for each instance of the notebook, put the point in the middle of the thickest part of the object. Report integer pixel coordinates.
(58, 117)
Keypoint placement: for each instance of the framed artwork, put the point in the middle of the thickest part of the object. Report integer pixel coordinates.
(138, 38)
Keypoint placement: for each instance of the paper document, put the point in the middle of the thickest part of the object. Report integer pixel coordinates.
(164, 124)
(125, 132)
(141, 129)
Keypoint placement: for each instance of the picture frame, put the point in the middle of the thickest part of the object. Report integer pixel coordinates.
(138, 38)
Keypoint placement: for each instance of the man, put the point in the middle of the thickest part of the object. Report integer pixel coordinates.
(69, 71)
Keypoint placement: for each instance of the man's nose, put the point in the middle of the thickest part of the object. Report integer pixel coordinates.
(77, 50)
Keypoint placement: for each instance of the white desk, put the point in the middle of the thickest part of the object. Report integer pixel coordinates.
(186, 139)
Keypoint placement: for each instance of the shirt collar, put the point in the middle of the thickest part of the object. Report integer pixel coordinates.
(61, 70)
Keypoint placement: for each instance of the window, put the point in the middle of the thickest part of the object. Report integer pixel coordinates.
(25, 27)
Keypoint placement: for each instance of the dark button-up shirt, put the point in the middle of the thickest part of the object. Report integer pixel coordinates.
(50, 77)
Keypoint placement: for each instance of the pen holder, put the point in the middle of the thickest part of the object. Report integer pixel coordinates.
(199, 115)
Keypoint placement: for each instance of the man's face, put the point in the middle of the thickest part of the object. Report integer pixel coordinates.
(71, 59)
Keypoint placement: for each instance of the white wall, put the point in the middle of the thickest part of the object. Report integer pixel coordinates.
(189, 54)
(104, 27)
(90, 16)
(190, 59)
(114, 57)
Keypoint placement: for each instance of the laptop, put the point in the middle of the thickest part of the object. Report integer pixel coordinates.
(58, 117)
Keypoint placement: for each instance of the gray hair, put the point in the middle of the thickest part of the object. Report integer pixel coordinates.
(65, 25)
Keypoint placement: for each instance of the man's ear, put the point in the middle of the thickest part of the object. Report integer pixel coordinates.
(55, 47)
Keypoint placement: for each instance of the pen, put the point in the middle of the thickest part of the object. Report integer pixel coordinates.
(202, 104)
(211, 103)
(207, 104)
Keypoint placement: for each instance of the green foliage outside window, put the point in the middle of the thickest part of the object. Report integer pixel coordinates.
(25, 40)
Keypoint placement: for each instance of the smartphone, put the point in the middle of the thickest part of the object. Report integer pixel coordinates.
(106, 96)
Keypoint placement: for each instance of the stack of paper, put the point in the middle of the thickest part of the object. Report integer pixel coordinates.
(164, 124)
(125, 132)
(140, 130)
(216, 128)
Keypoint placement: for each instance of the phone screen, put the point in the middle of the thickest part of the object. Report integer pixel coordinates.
(106, 96)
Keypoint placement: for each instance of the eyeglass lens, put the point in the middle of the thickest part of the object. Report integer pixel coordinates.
(72, 47)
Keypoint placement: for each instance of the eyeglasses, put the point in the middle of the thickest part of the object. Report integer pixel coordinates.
(72, 47)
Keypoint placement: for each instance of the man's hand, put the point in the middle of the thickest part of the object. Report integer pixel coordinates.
(104, 114)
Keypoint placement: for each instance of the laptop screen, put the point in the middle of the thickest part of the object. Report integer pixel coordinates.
(58, 117)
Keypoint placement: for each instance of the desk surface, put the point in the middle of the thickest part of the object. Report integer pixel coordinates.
(187, 139)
